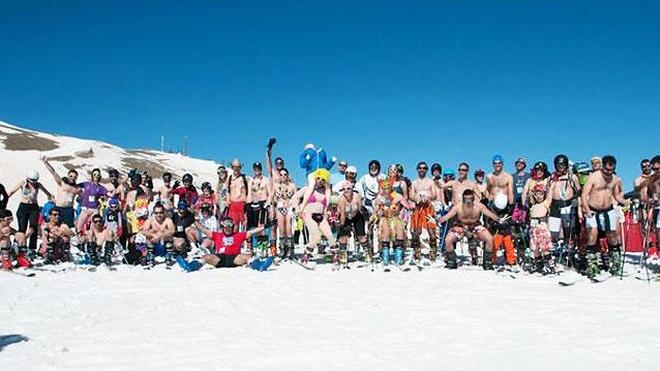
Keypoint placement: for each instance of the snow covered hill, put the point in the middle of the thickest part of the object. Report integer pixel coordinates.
(21, 150)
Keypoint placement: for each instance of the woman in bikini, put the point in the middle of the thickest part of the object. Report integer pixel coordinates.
(283, 191)
(315, 204)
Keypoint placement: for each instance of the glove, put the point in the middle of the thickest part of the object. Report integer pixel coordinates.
(271, 142)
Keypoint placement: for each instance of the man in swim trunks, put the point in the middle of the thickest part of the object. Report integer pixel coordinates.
(67, 191)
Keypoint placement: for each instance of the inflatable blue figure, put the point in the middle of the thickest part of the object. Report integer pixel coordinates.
(313, 160)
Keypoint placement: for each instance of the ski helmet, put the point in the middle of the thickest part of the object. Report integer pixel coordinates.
(540, 165)
(374, 163)
(257, 165)
(33, 175)
(206, 185)
(187, 178)
(561, 159)
(436, 167)
(113, 173)
(399, 169)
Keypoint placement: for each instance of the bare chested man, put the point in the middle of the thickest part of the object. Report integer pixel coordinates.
(499, 184)
(117, 187)
(653, 197)
(273, 173)
(480, 181)
(423, 192)
(67, 190)
(462, 183)
(165, 195)
(159, 229)
(602, 188)
(55, 237)
(259, 202)
(238, 191)
(100, 237)
(564, 190)
(468, 215)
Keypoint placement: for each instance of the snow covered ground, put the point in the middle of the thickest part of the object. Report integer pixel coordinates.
(290, 318)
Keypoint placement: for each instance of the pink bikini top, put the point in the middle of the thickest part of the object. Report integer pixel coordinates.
(313, 198)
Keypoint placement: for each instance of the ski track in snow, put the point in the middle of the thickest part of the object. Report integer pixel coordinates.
(289, 318)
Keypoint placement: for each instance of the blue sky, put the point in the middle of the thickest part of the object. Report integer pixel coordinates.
(403, 81)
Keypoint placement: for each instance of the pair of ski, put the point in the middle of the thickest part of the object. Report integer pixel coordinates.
(572, 279)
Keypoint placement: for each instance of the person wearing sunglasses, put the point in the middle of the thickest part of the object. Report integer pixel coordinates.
(367, 186)
(55, 237)
(602, 188)
(480, 181)
(222, 191)
(6, 231)
(227, 249)
(423, 193)
(100, 239)
(28, 212)
(118, 185)
(282, 194)
(564, 191)
(92, 192)
(468, 216)
(642, 181)
(159, 229)
(391, 232)
(340, 174)
(238, 191)
(350, 177)
(184, 231)
(520, 177)
(67, 191)
(539, 234)
(352, 221)
(258, 203)
(165, 192)
(500, 186)
(462, 183)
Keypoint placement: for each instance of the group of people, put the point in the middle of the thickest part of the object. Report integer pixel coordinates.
(541, 218)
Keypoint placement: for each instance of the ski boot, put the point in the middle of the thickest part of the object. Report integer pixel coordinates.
(450, 260)
(92, 250)
(6, 259)
(22, 259)
(343, 255)
(307, 255)
(260, 264)
(32, 253)
(616, 260)
(50, 254)
(334, 253)
(398, 256)
(433, 250)
(385, 255)
(474, 253)
(150, 259)
(108, 249)
(487, 263)
(538, 265)
(593, 268)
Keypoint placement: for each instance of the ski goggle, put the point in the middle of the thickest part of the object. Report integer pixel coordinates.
(228, 223)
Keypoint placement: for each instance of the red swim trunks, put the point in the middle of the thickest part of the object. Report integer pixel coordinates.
(236, 212)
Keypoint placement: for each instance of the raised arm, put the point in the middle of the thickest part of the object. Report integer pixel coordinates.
(48, 194)
(52, 171)
(16, 188)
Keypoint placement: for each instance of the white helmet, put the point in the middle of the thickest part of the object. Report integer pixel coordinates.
(33, 175)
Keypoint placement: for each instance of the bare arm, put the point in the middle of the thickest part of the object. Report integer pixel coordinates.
(452, 213)
(618, 194)
(525, 191)
(254, 231)
(585, 194)
(484, 210)
(511, 196)
(52, 171)
(16, 188)
(48, 194)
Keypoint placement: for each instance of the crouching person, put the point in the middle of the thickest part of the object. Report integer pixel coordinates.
(55, 237)
(227, 249)
(100, 241)
(158, 230)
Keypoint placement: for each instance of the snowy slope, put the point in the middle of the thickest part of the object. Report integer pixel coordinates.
(21, 149)
(293, 319)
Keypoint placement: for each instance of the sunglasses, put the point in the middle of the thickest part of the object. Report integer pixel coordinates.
(608, 170)
(462, 169)
(497, 163)
(422, 168)
(159, 212)
(656, 168)
(97, 221)
(468, 200)
(284, 174)
(55, 214)
(343, 165)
